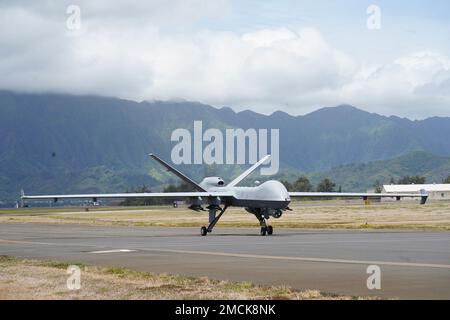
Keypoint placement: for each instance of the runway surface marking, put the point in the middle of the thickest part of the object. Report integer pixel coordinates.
(26, 242)
(46, 243)
(307, 259)
(113, 251)
(244, 255)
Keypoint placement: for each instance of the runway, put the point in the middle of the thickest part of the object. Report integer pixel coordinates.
(414, 264)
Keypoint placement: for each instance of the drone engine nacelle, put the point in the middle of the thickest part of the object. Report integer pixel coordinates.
(212, 182)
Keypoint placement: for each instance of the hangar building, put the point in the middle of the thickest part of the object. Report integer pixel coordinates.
(435, 191)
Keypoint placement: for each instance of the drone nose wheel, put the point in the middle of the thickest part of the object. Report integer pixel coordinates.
(266, 231)
(203, 231)
(263, 231)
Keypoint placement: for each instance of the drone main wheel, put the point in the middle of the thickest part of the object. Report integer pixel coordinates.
(263, 231)
(203, 231)
(269, 230)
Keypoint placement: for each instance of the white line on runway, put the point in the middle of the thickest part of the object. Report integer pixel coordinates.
(25, 242)
(255, 256)
(113, 251)
(307, 259)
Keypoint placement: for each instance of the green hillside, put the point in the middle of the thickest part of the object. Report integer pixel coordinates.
(361, 177)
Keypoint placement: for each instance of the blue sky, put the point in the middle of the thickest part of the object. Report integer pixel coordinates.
(406, 25)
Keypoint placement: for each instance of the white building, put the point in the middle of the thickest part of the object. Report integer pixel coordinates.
(435, 191)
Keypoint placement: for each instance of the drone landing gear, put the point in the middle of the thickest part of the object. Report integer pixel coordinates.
(212, 210)
(265, 229)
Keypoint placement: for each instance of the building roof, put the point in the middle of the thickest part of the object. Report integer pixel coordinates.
(416, 187)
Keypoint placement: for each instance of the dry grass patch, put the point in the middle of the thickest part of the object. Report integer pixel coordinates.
(317, 215)
(34, 279)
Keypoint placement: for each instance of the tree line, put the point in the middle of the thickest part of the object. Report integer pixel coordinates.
(302, 184)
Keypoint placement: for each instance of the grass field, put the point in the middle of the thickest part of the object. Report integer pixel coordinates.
(34, 279)
(324, 214)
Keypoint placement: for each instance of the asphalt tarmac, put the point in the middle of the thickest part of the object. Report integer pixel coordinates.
(413, 264)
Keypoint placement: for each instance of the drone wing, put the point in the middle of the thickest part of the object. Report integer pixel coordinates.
(180, 175)
(95, 196)
(423, 195)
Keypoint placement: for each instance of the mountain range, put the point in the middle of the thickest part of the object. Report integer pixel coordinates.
(63, 143)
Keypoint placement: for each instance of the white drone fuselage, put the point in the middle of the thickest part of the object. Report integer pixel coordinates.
(270, 194)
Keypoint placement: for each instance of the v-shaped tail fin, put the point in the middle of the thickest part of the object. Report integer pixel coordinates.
(248, 171)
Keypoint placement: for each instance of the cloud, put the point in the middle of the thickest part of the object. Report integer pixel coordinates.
(149, 50)
(413, 86)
